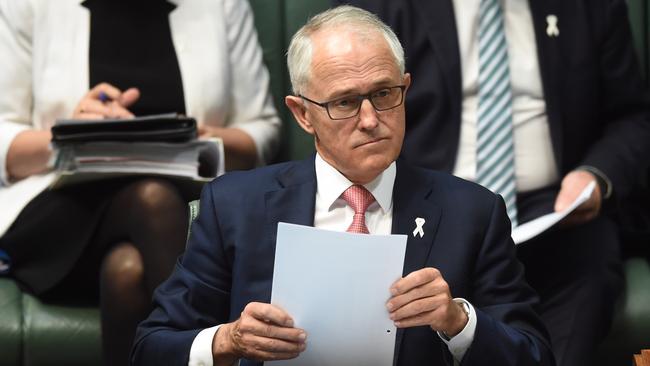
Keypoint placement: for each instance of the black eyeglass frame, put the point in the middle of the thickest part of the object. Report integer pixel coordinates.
(360, 98)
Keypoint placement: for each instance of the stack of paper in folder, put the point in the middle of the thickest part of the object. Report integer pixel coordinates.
(165, 145)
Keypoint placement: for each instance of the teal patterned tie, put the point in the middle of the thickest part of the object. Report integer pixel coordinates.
(495, 163)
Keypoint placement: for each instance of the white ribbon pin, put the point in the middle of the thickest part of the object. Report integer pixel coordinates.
(551, 29)
(418, 227)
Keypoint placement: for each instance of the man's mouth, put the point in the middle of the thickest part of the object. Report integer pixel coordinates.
(371, 141)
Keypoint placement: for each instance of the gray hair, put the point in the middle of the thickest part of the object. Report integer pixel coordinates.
(300, 49)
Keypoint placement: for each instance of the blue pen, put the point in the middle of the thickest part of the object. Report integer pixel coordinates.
(103, 97)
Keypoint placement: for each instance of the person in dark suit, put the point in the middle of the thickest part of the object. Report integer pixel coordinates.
(579, 115)
(347, 71)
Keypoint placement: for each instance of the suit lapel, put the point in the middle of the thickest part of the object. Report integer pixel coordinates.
(411, 201)
(292, 201)
(437, 18)
(549, 60)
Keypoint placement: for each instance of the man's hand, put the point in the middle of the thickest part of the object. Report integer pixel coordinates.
(423, 298)
(263, 332)
(106, 101)
(572, 184)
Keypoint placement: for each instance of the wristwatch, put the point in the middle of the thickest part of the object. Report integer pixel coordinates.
(465, 307)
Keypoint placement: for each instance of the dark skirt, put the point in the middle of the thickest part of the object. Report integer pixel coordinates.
(54, 234)
(52, 245)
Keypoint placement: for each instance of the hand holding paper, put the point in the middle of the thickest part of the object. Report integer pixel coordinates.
(263, 332)
(423, 298)
(572, 185)
(535, 227)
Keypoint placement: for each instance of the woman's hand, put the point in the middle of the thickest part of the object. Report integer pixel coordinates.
(28, 154)
(239, 147)
(106, 101)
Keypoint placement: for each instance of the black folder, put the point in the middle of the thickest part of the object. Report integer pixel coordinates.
(158, 128)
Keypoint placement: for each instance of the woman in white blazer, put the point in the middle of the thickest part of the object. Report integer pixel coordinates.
(56, 243)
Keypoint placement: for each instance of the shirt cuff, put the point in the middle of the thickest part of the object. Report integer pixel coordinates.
(460, 343)
(604, 183)
(201, 350)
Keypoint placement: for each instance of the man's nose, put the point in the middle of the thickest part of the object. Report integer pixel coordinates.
(368, 117)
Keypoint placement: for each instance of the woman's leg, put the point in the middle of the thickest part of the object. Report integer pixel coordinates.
(148, 222)
(124, 301)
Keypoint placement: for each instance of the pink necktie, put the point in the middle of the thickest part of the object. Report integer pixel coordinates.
(359, 199)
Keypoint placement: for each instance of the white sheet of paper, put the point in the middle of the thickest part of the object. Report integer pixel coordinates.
(335, 286)
(535, 227)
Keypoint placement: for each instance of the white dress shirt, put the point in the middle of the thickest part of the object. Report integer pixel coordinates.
(535, 165)
(333, 213)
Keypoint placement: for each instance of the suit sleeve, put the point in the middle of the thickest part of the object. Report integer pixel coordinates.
(195, 297)
(623, 149)
(508, 331)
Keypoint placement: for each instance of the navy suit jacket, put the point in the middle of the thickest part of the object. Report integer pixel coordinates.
(596, 102)
(229, 263)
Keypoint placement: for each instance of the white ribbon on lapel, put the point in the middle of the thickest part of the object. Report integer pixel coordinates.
(418, 227)
(551, 29)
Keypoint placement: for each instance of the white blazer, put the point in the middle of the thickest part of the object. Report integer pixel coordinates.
(44, 73)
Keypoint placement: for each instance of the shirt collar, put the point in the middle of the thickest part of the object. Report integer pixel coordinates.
(331, 184)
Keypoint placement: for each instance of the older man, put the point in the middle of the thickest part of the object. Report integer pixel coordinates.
(534, 99)
(347, 71)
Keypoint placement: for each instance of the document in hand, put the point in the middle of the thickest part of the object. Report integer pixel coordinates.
(164, 145)
(531, 229)
(335, 286)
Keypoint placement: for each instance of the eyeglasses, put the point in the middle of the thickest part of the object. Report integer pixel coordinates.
(349, 106)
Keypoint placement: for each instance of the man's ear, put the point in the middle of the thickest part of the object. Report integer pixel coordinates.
(406, 80)
(297, 108)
